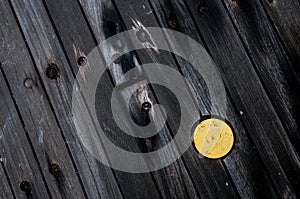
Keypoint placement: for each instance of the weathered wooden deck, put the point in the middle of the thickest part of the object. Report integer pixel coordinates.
(255, 45)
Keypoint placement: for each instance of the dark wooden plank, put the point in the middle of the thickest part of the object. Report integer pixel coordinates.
(137, 179)
(36, 113)
(247, 179)
(6, 191)
(248, 94)
(165, 174)
(19, 159)
(200, 170)
(285, 16)
(97, 179)
(77, 40)
(271, 61)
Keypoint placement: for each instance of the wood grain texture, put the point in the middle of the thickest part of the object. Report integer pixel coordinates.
(255, 46)
(44, 46)
(247, 184)
(6, 191)
(271, 62)
(39, 121)
(125, 142)
(285, 16)
(18, 158)
(200, 170)
(248, 95)
(77, 33)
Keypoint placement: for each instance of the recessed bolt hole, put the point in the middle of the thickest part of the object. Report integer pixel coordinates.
(202, 8)
(112, 26)
(54, 169)
(118, 44)
(81, 61)
(28, 83)
(25, 186)
(172, 23)
(142, 35)
(146, 106)
(116, 58)
(52, 71)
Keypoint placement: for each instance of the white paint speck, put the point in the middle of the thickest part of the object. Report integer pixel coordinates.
(7, 122)
(241, 113)
(41, 137)
(4, 160)
(226, 184)
(148, 13)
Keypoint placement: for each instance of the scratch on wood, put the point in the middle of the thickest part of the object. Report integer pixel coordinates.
(7, 122)
(139, 28)
(234, 3)
(41, 136)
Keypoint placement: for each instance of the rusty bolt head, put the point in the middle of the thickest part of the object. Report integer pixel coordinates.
(52, 71)
(172, 23)
(54, 169)
(146, 106)
(25, 186)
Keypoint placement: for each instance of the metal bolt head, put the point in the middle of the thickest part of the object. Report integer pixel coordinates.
(146, 106)
(142, 35)
(52, 71)
(28, 83)
(81, 61)
(25, 186)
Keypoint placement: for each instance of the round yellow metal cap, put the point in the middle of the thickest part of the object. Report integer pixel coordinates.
(213, 138)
